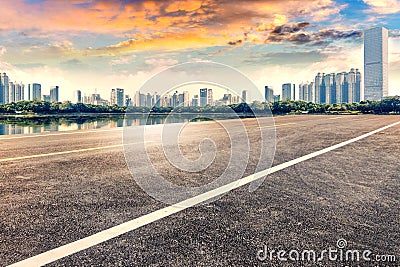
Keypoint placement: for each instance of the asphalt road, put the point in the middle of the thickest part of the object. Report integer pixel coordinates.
(58, 188)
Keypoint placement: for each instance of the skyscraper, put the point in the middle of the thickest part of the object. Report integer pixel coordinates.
(4, 83)
(303, 91)
(128, 101)
(310, 92)
(340, 87)
(375, 63)
(195, 101)
(29, 94)
(306, 91)
(36, 90)
(269, 94)
(330, 88)
(175, 99)
(113, 98)
(294, 92)
(203, 97)
(210, 97)
(54, 93)
(186, 99)
(11, 92)
(320, 92)
(287, 91)
(77, 96)
(117, 97)
(19, 92)
(244, 96)
(357, 93)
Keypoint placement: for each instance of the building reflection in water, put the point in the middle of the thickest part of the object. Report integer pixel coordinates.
(29, 126)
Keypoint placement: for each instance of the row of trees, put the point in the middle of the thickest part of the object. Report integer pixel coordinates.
(387, 105)
(44, 107)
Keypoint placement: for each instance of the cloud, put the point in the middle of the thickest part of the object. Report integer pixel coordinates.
(297, 34)
(383, 6)
(171, 24)
(162, 62)
(72, 62)
(3, 50)
(125, 60)
(287, 28)
(159, 42)
(238, 42)
(285, 58)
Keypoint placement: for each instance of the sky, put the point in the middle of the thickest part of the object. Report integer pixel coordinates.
(96, 45)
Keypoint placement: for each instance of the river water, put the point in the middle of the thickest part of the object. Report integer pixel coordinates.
(11, 125)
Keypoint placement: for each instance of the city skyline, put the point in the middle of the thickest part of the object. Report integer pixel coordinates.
(11, 92)
(114, 44)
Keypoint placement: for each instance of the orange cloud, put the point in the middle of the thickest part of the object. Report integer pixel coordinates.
(167, 42)
(165, 25)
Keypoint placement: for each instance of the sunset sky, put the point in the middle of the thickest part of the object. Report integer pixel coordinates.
(99, 44)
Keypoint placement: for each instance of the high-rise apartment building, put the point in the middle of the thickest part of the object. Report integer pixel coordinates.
(15, 92)
(54, 94)
(340, 87)
(156, 99)
(320, 96)
(210, 97)
(195, 101)
(343, 87)
(306, 92)
(117, 97)
(287, 91)
(269, 94)
(186, 99)
(303, 91)
(206, 97)
(77, 96)
(4, 90)
(29, 93)
(330, 88)
(375, 63)
(244, 96)
(128, 101)
(203, 97)
(36, 91)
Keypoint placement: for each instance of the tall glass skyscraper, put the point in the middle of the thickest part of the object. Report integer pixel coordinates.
(4, 90)
(203, 97)
(36, 91)
(54, 93)
(375, 63)
(287, 91)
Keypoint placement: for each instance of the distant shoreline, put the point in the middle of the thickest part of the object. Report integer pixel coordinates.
(105, 115)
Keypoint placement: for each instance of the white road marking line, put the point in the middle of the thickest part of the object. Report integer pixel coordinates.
(89, 241)
(59, 153)
(68, 152)
(59, 133)
(278, 125)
